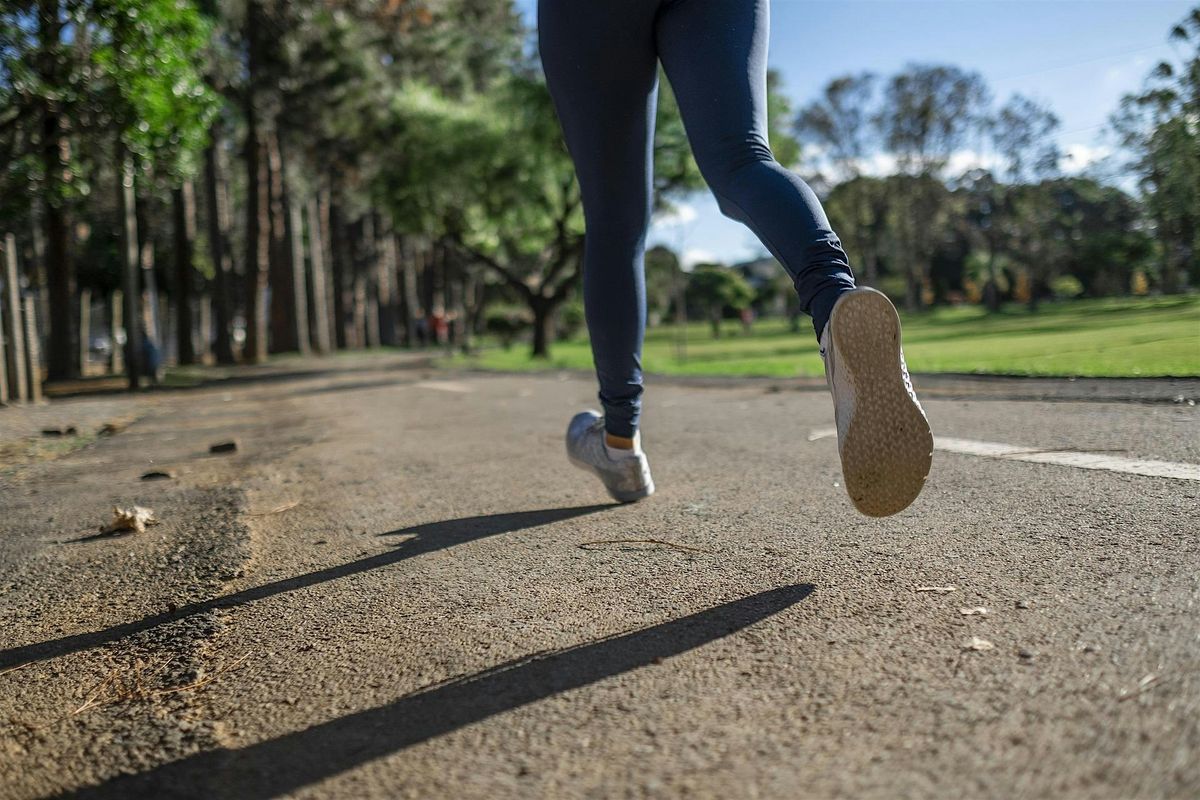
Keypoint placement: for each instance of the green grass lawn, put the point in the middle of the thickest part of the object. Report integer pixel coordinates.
(1097, 338)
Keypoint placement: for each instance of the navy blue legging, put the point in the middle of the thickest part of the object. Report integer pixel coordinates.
(601, 63)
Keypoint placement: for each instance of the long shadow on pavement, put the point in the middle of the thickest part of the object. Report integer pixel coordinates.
(425, 538)
(292, 761)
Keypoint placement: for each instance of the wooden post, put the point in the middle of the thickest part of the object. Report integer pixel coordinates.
(14, 332)
(33, 352)
(85, 329)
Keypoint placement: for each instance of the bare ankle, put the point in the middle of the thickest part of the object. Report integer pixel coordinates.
(618, 442)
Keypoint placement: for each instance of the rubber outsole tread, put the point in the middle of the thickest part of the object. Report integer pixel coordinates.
(888, 447)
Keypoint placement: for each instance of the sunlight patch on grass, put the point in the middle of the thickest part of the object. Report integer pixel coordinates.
(1138, 337)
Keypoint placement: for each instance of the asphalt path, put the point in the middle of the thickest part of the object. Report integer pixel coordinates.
(397, 586)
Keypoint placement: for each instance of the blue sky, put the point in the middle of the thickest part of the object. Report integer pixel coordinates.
(1077, 56)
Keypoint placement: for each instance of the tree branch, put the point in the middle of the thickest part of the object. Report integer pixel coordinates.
(504, 272)
(576, 258)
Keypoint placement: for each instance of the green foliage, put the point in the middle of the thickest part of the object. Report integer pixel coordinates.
(1066, 286)
(675, 169)
(571, 319)
(840, 122)
(148, 58)
(1021, 133)
(663, 277)
(1161, 129)
(506, 323)
(928, 113)
(716, 289)
(784, 146)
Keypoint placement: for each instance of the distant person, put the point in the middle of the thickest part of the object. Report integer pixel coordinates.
(422, 327)
(152, 358)
(601, 63)
(746, 315)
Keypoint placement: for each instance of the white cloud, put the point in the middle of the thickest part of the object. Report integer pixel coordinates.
(1128, 72)
(880, 165)
(1078, 157)
(682, 214)
(695, 255)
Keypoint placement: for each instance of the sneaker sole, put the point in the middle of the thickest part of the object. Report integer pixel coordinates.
(620, 497)
(888, 448)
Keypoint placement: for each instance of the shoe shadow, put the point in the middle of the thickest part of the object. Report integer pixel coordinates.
(424, 539)
(290, 762)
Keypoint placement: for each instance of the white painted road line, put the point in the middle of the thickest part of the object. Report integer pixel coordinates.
(1064, 458)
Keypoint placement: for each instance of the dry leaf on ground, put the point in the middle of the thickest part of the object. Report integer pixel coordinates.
(133, 518)
(978, 645)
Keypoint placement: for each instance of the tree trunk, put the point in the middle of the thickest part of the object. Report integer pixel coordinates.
(116, 328)
(183, 202)
(204, 303)
(284, 337)
(543, 324)
(300, 302)
(150, 310)
(337, 253)
(60, 272)
(85, 329)
(385, 283)
(411, 299)
(33, 355)
(222, 269)
(4, 398)
(13, 330)
(257, 246)
(258, 230)
(430, 284)
(366, 303)
(41, 283)
(1169, 269)
(991, 293)
(126, 202)
(320, 281)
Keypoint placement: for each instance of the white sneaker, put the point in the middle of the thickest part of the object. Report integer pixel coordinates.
(883, 435)
(627, 477)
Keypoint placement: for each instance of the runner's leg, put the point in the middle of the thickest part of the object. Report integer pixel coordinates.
(602, 71)
(715, 55)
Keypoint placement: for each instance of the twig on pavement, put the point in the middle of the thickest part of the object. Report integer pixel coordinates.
(593, 545)
(276, 510)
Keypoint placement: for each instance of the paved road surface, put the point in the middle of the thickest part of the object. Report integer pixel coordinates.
(398, 587)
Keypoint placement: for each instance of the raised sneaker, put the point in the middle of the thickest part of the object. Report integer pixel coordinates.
(625, 474)
(883, 435)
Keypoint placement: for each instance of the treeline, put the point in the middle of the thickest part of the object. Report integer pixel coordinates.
(226, 180)
(227, 167)
(1010, 226)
